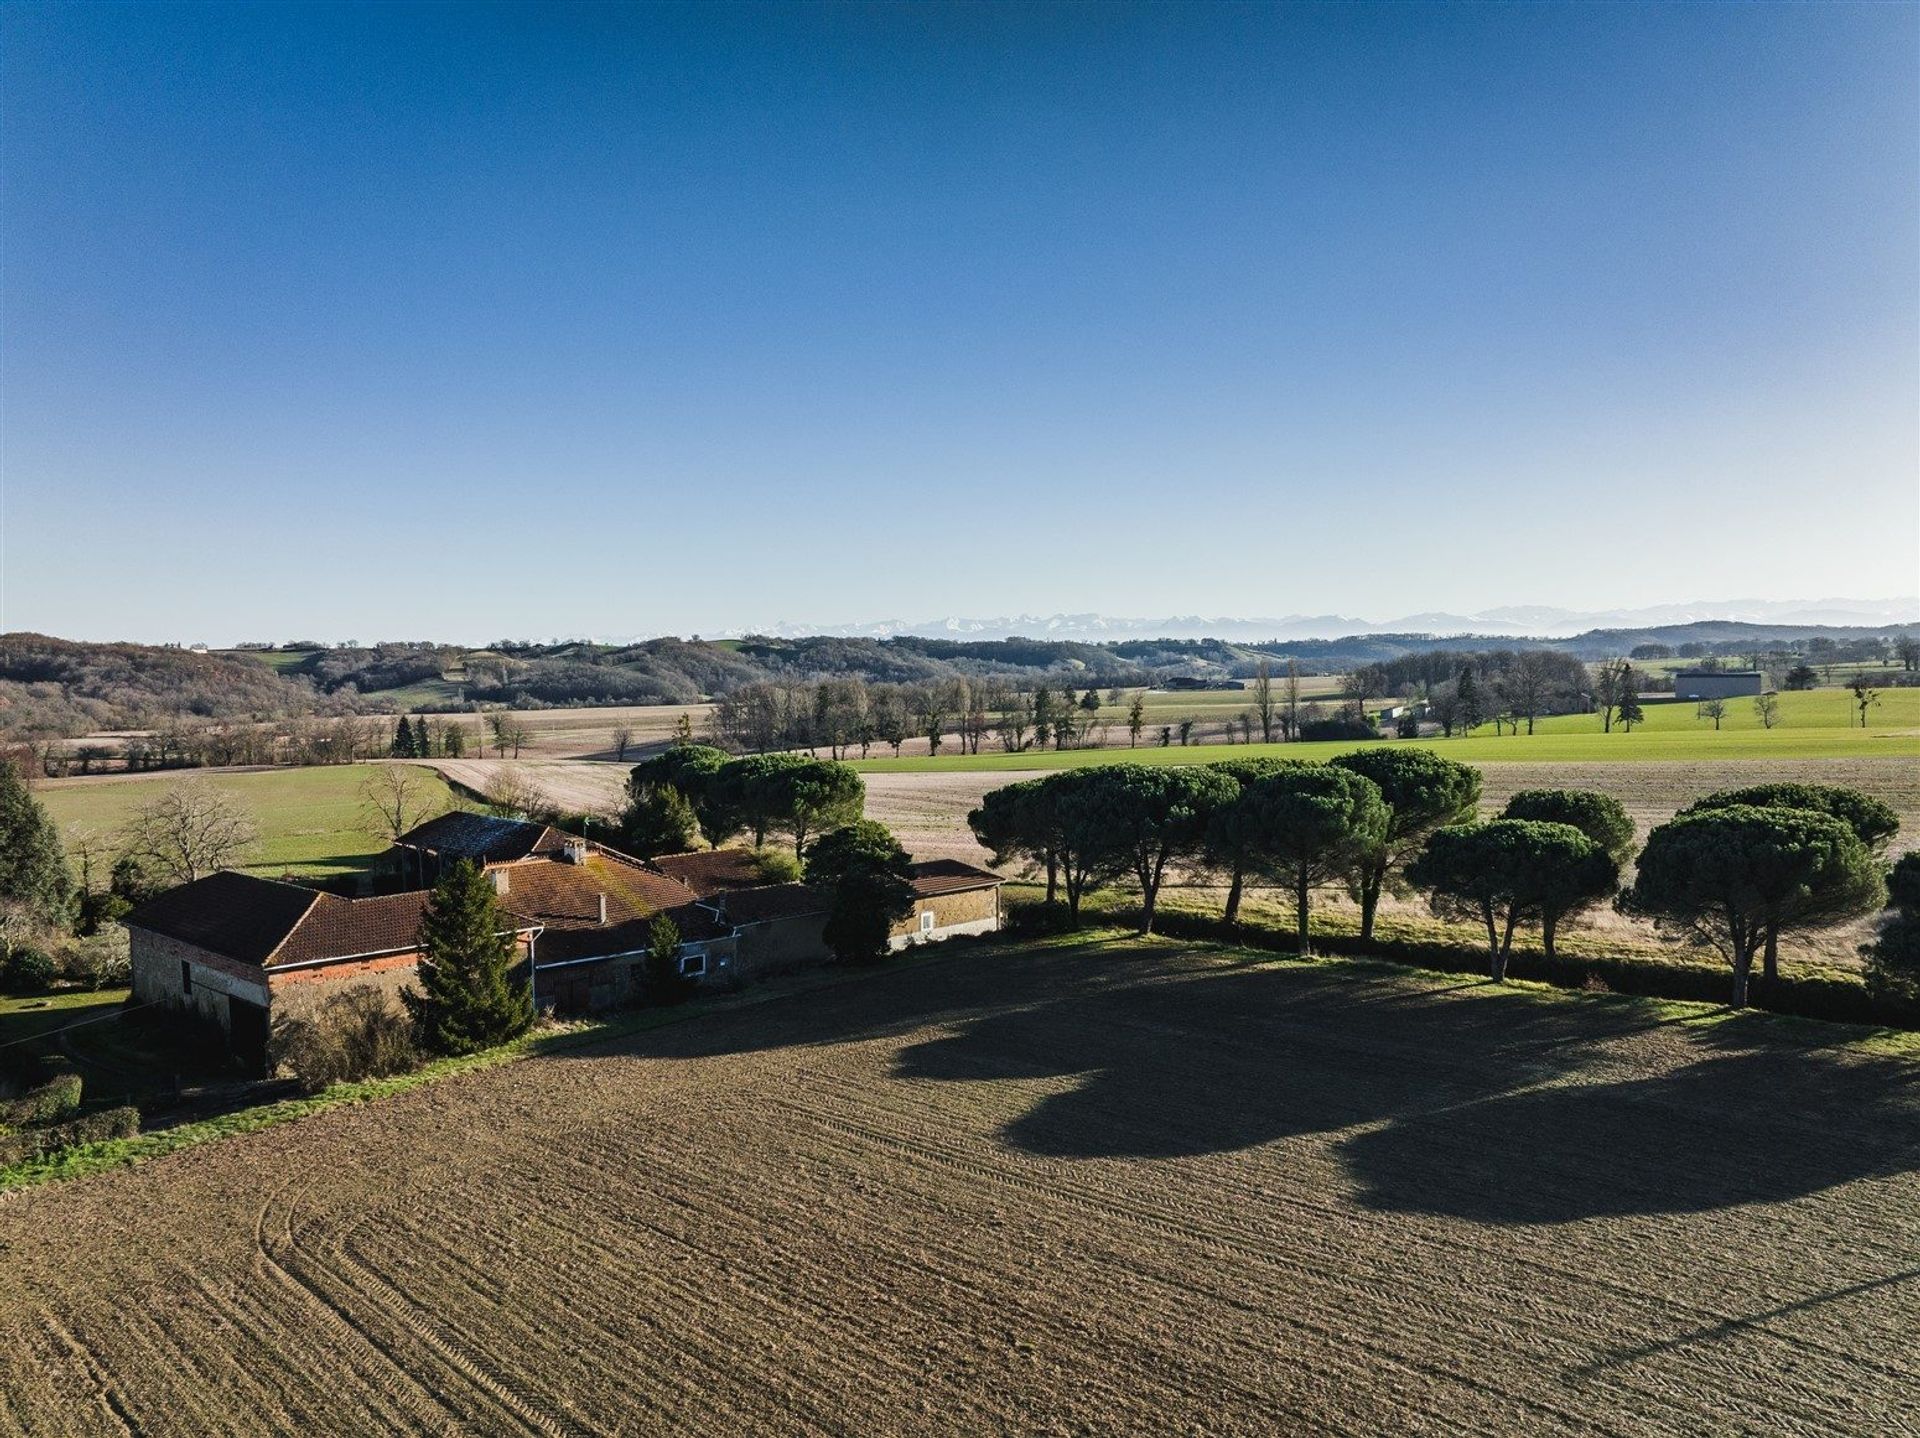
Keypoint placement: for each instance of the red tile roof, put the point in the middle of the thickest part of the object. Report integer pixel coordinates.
(563, 895)
(713, 871)
(271, 923)
(950, 876)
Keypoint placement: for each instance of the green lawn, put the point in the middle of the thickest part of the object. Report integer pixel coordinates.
(311, 821)
(29, 1017)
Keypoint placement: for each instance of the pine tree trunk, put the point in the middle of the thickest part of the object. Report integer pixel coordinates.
(1741, 966)
(1053, 879)
(1500, 954)
(1770, 962)
(1547, 922)
(1232, 914)
(1370, 885)
(1300, 916)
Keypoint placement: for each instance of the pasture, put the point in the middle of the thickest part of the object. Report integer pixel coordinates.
(1813, 726)
(311, 821)
(1096, 1188)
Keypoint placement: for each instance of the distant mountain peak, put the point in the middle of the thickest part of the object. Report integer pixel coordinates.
(1507, 621)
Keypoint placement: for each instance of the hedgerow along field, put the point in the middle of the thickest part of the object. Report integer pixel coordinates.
(312, 822)
(1111, 1187)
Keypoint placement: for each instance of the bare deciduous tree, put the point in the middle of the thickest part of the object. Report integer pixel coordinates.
(189, 832)
(623, 740)
(1265, 706)
(398, 798)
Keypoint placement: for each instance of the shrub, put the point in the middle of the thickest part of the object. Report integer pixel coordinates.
(56, 1099)
(776, 866)
(665, 984)
(28, 971)
(1903, 883)
(1320, 729)
(357, 1034)
(99, 961)
(97, 1127)
(1813, 996)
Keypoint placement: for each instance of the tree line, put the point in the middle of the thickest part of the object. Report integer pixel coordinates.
(1735, 871)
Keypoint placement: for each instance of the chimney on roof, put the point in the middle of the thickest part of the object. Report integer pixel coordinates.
(575, 851)
(502, 880)
(603, 911)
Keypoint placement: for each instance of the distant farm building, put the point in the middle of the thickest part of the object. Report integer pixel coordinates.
(1718, 683)
(242, 951)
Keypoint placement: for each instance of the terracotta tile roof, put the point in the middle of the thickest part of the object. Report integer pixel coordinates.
(712, 871)
(563, 895)
(271, 923)
(339, 928)
(950, 876)
(234, 915)
(771, 902)
(485, 838)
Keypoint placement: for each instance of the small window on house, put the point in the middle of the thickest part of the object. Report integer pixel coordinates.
(693, 966)
(186, 977)
(926, 921)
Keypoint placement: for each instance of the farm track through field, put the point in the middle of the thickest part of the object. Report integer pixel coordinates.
(1113, 1189)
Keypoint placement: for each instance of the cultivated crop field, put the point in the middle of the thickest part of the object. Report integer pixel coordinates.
(1109, 1188)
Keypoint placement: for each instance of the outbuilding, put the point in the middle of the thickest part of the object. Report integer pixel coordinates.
(1718, 683)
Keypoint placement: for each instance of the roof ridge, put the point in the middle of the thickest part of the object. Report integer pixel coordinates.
(294, 928)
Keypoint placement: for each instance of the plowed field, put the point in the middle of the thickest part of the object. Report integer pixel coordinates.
(1103, 1189)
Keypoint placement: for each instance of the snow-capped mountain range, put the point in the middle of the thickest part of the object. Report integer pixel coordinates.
(1533, 621)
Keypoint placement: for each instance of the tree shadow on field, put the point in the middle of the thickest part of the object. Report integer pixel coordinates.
(1754, 1127)
(1222, 1061)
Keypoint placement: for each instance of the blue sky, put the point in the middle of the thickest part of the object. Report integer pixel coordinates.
(481, 321)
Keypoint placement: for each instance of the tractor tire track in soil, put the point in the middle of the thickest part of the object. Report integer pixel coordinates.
(1108, 1189)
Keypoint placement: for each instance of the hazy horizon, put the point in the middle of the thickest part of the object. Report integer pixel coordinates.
(477, 322)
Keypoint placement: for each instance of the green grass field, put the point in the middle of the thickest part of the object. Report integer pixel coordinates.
(311, 821)
(1826, 709)
(1813, 726)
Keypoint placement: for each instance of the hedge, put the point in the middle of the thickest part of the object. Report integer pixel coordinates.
(56, 1099)
(96, 1127)
(1812, 996)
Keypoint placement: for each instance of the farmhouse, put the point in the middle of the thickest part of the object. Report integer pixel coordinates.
(1717, 683)
(241, 951)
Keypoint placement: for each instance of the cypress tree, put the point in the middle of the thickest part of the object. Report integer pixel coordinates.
(1467, 692)
(467, 1000)
(422, 741)
(1629, 711)
(402, 746)
(33, 865)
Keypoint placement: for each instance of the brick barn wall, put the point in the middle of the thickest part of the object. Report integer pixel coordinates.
(298, 992)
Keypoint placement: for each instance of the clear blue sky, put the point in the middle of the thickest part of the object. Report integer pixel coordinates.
(473, 321)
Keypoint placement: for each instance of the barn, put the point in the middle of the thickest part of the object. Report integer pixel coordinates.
(1718, 683)
(241, 951)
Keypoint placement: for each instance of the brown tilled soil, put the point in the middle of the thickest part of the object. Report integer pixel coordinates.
(1105, 1190)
